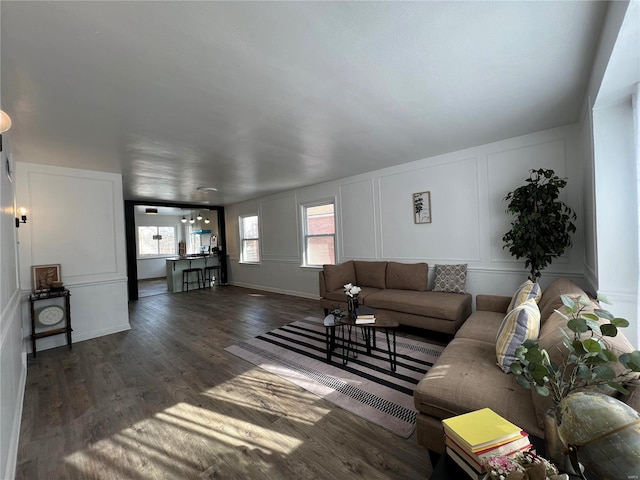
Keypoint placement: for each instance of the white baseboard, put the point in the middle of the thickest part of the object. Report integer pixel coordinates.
(276, 290)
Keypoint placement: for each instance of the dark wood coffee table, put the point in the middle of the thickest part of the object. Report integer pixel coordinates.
(347, 339)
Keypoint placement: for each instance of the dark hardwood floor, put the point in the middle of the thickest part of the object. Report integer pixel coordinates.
(152, 286)
(165, 401)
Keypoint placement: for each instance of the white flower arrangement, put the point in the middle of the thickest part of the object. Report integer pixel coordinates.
(352, 290)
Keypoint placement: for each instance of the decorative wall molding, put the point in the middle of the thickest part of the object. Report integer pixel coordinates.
(10, 312)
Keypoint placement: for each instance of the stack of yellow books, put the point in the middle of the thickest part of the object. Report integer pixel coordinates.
(470, 439)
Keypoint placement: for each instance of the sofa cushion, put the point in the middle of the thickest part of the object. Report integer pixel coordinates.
(448, 306)
(405, 276)
(450, 278)
(520, 324)
(465, 378)
(370, 274)
(524, 292)
(336, 276)
(482, 325)
(551, 300)
(338, 295)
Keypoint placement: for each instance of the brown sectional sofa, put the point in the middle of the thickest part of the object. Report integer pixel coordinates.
(466, 377)
(396, 291)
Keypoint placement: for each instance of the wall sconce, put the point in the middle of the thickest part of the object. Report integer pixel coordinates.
(23, 217)
(5, 122)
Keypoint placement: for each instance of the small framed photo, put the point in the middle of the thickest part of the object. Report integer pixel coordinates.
(422, 207)
(43, 276)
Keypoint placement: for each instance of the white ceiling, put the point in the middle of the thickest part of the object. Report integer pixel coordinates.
(259, 97)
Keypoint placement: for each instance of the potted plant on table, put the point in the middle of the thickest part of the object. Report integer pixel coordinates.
(543, 224)
(587, 363)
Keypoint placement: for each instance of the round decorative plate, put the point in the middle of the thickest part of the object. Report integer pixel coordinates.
(50, 315)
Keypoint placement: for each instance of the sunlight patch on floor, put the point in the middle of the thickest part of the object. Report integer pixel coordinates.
(192, 438)
(262, 391)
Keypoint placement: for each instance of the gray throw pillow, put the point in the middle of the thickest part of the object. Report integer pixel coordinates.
(450, 278)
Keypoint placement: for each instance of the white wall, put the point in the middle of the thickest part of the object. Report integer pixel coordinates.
(616, 212)
(610, 159)
(375, 219)
(76, 219)
(13, 363)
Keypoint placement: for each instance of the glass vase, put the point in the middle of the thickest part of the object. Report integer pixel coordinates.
(352, 305)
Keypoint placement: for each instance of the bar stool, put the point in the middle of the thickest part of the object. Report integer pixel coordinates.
(185, 278)
(211, 274)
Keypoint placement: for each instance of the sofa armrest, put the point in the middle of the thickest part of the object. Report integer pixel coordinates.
(492, 303)
(323, 289)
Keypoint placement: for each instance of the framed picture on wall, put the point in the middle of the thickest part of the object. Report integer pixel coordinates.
(44, 275)
(422, 207)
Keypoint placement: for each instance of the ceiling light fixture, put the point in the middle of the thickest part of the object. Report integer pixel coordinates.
(191, 220)
(151, 211)
(5, 122)
(183, 219)
(199, 217)
(206, 220)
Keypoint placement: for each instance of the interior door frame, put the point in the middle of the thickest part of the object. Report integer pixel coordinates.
(130, 233)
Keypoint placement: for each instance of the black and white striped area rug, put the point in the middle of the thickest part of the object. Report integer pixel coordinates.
(365, 386)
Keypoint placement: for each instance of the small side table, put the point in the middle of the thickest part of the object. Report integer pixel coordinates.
(36, 296)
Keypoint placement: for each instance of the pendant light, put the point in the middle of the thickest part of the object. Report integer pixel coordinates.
(199, 217)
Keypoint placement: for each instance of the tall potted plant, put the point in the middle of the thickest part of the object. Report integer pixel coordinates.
(543, 224)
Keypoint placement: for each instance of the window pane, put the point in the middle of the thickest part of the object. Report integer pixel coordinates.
(193, 245)
(250, 227)
(320, 220)
(167, 244)
(320, 250)
(250, 251)
(147, 245)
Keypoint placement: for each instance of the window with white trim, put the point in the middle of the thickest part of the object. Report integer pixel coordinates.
(249, 239)
(154, 241)
(319, 234)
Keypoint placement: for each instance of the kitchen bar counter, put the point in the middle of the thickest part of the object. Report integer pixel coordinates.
(176, 265)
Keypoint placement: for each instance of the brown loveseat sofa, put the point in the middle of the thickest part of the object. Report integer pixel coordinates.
(397, 291)
(466, 377)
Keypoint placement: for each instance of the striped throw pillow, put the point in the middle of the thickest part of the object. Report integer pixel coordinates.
(520, 324)
(524, 292)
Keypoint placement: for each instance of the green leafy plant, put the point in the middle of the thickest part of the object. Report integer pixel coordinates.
(543, 224)
(589, 361)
